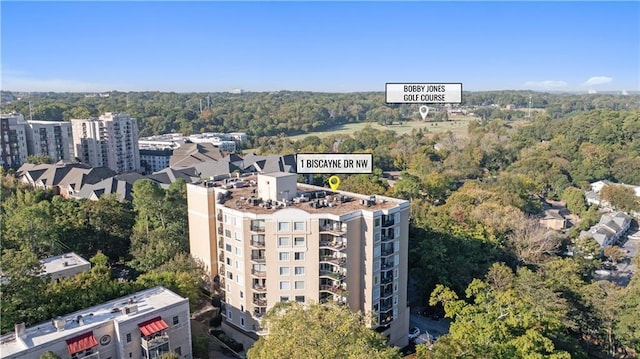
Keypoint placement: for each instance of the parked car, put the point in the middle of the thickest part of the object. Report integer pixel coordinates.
(414, 333)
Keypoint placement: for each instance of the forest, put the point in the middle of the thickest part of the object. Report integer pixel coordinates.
(283, 112)
(477, 251)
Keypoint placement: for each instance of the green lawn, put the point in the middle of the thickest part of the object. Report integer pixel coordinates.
(457, 125)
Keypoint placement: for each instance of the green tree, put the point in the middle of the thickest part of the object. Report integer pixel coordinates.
(200, 345)
(514, 317)
(49, 355)
(39, 159)
(319, 331)
(620, 197)
(574, 198)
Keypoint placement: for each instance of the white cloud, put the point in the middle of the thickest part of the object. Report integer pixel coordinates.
(547, 84)
(18, 83)
(598, 80)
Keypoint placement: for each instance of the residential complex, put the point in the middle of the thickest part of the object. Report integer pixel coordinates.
(50, 138)
(267, 239)
(143, 325)
(109, 141)
(609, 229)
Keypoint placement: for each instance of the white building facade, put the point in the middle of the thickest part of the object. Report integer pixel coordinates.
(50, 138)
(146, 324)
(110, 141)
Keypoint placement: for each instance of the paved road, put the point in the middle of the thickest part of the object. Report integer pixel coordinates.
(436, 328)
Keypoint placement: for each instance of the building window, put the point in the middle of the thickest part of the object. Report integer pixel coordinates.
(227, 247)
(299, 270)
(397, 217)
(377, 237)
(395, 273)
(238, 236)
(298, 226)
(241, 294)
(284, 299)
(284, 242)
(300, 298)
(178, 351)
(242, 321)
(395, 300)
(284, 256)
(176, 320)
(283, 226)
(299, 242)
(284, 271)
(299, 256)
(230, 314)
(128, 337)
(285, 285)
(229, 262)
(227, 233)
(299, 284)
(230, 275)
(238, 251)
(376, 222)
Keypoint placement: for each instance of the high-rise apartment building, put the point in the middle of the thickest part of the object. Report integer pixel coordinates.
(50, 138)
(13, 140)
(109, 141)
(268, 239)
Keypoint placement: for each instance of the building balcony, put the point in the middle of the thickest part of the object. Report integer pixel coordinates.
(221, 257)
(335, 229)
(149, 343)
(388, 222)
(257, 244)
(335, 289)
(222, 270)
(386, 306)
(219, 217)
(333, 244)
(387, 265)
(260, 288)
(387, 237)
(342, 261)
(260, 302)
(221, 244)
(220, 230)
(259, 274)
(387, 251)
(386, 280)
(257, 229)
(386, 294)
(331, 274)
(258, 258)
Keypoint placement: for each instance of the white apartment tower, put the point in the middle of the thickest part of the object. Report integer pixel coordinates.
(110, 141)
(268, 239)
(50, 138)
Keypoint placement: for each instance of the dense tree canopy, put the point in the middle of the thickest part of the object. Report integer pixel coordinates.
(319, 331)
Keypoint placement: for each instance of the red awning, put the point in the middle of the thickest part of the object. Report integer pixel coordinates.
(81, 342)
(152, 326)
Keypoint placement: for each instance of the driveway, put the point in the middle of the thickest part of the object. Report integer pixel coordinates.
(436, 328)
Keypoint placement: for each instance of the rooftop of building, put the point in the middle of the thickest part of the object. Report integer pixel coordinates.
(59, 263)
(145, 301)
(243, 196)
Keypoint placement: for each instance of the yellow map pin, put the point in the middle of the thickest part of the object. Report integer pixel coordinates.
(334, 182)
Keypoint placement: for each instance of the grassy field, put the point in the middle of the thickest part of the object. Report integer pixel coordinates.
(457, 125)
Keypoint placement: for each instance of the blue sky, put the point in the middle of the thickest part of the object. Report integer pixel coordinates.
(318, 46)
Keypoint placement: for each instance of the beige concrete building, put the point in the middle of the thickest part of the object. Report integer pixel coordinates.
(143, 325)
(269, 239)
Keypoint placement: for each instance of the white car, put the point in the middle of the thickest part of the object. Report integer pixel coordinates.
(414, 333)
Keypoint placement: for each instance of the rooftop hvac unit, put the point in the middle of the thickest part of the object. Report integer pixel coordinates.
(59, 323)
(130, 309)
